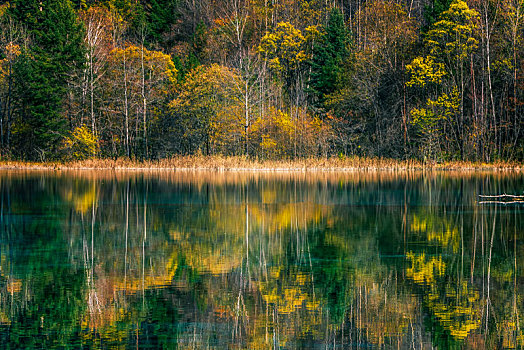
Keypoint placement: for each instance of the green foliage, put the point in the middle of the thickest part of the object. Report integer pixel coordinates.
(329, 53)
(161, 16)
(132, 12)
(43, 72)
(199, 44)
(431, 119)
(434, 9)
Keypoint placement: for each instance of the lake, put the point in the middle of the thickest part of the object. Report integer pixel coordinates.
(190, 260)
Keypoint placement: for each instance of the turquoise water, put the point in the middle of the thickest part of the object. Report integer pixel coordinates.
(260, 261)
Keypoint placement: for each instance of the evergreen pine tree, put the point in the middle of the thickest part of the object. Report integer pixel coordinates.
(161, 16)
(433, 11)
(329, 54)
(43, 72)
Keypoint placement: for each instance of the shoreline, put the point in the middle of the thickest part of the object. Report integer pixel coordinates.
(243, 164)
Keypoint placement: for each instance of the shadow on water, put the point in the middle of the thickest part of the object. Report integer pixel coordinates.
(260, 260)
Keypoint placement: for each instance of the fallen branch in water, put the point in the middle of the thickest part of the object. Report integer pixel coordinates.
(501, 202)
(499, 199)
(502, 196)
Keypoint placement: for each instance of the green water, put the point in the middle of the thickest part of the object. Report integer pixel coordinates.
(260, 261)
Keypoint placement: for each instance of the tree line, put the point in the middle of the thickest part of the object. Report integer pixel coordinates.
(427, 79)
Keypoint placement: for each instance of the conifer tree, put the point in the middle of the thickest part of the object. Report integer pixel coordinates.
(43, 74)
(161, 16)
(434, 10)
(329, 54)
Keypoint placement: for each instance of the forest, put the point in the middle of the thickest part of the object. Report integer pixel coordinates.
(435, 80)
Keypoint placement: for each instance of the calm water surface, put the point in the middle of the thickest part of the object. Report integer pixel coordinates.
(260, 261)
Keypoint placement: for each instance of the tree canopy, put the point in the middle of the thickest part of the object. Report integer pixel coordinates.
(425, 79)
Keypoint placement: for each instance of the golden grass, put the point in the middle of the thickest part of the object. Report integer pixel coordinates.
(245, 164)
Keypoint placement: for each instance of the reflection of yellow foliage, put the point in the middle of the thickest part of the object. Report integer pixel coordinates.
(459, 315)
(286, 216)
(210, 258)
(269, 196)
(214, 261)
(441, 232)
(162, 277)
(105, 323)
(424, 271)
(454, 308)
(107, 294)
(14, 286)
(512, 335)
(4, 319)
(294, 295)
(82, 200)
(386, 315)
(418, 225)
(446, 238)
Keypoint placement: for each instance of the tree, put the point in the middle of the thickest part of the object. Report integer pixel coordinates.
(207, 113)
(441, 74)
(138, 81)
(42, 74)
(285, 51)
(161, 16)
(370, 105)
(98, 40)
(329, 54)
(13, 39)
(434, 9)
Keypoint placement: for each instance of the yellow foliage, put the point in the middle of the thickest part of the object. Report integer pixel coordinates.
(390, 31)
(82, 144)
(158, 66)
(277, 132)
(429, 119)
(284, 47)
(452, 36)
(424, 70)
(209, 99)
(3, 9)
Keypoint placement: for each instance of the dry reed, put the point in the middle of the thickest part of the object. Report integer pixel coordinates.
(240, 163)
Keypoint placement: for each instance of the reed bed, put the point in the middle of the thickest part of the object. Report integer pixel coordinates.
(239, 163)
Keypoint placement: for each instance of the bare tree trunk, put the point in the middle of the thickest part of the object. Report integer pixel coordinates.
(487, 34)
(246, 107)
(8, 111)
(92, 91)
(126, 108)
(144, 99)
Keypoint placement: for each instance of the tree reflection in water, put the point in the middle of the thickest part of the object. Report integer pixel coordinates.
(259, 260)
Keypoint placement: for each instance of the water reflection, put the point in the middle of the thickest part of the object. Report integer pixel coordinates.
(242, 260)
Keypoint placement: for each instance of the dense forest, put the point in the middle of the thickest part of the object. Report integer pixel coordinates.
(426, 79)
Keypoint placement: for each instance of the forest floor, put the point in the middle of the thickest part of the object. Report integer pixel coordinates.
(219, 163)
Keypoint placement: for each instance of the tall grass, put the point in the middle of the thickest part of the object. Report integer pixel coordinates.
(240, 163)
